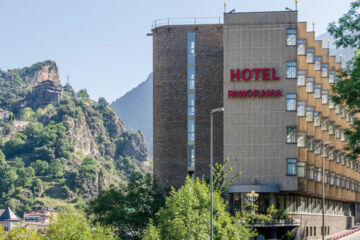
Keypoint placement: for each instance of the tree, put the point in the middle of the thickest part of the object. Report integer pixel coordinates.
(56, 168)
(27, 114)
(187, 216)
(82, 94)
(346, 91)
(88, 167)
(103, 103)
(40, 167)
(128, 209)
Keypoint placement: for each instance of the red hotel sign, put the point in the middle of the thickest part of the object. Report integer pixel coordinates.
(247, 74)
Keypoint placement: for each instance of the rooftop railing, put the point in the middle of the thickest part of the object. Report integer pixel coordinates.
(187, 21)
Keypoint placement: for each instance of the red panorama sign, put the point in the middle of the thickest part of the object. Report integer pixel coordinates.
(247, 74)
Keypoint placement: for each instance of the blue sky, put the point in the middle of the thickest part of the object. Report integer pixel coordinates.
(102, 44)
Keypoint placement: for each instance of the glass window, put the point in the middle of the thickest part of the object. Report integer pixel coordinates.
(317, 119)
(309, 55)
(317, 65)
(301, 108)
(291, 102)
(191, 47)
(317, 147)
(342, 135)
(332, 179)
(343, 182)
(338, 108)
(331, 128)
(331, 153)
(191, 130)
(331, 76)
(324, 96)
(343, 112)
(191, 77)
(290, 134)
(324, 124)
(301, 46)
(337, 132)
(337, 156)
(326, 176)
(348, 117)
(324, 151)
(310, 172)
(317, 91)
(301, 78)
(301, 169)
(325, 70)
(301, 136)
(331, 104)
(309, 84)
(191, 104)
(291, 166)
(347, 162)
(343, 159)
(351, 164)
(318, 174)
(191, 156)
(291, 37)
(291, 69)
(337, 180)
(309, 114)
(309, 143)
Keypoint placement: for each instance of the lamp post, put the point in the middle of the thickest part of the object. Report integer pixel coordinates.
(252, 196)
(211, 168)
(323, 196)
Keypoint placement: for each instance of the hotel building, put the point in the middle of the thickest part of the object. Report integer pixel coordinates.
(274, 81)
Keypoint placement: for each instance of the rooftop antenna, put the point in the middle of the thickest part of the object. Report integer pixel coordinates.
(232, 11)
(224, 7)
(296, 4)
(313, 23)
(67, 79)
(288, 9)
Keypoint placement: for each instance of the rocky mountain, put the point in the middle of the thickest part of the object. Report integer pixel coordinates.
(136, 110)
(59, 148)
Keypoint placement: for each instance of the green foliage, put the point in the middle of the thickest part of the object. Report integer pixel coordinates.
(88, 167)
(129, 209)
(103, 103)
(187, 216)
(41, 167)
(56, 168)
(347, 31)
(82, 94)
(288, 236)
(220, 174)
(27, 114)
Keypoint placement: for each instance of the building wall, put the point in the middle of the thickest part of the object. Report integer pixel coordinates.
(255, 128)
(170, 99)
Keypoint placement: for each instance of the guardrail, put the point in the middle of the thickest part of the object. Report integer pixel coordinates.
(187, 21)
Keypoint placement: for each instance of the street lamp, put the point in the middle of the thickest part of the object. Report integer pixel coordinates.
(211, 167)
(323, 195)
(252, 196)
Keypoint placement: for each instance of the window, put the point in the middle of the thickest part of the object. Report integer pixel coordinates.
(324, 151)
(343, 112)
(291, 102)
(337, 132)
(317, 91)
(342, 159)
(317, 119)
(324, 96)
(325, 70)
(331, 104)
(342, 135)
(309, 55)
(291, 134)
(309, 84)
(291, 37)
(332, 179)
(191, 156)
(318, 174)
(351, 164)
(191, 47)
(348, 117)
(337, 156)
(331, 128)
(343, 182)
(191, 130)
(290, 69)
(347, 162)
(301, 78)
(331, 76)
(291, 166)
(301, 169)
(309, 143)
(338, 108)
(309, 114)
(191, 104)
(324, 124)
(310, 172)
(317, 65)
(317, 147)
(301, 108)
(191, 77)
(326, 176)
(331, 153)
(301, 139)
(301, 47)
(338, 180)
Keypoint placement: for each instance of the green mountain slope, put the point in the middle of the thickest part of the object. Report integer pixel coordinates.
(60, 147)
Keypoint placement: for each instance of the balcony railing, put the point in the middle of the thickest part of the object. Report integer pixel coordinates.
(187, 21)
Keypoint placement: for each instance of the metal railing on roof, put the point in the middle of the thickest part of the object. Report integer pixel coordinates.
(187, 21)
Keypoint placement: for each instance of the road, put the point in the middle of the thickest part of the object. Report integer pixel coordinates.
(355, 236)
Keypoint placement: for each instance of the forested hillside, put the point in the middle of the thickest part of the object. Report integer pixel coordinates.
(59, 147)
